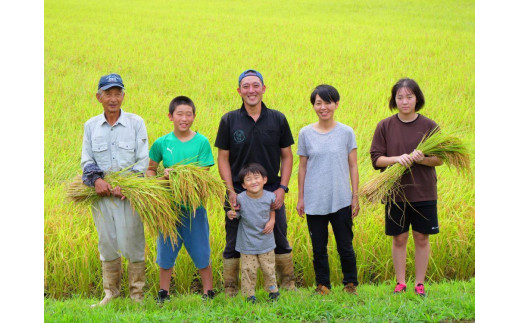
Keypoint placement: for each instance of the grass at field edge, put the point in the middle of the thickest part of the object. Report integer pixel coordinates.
(447, 301)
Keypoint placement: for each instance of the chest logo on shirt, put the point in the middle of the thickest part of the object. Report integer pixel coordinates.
(239, 136)
(170, 150)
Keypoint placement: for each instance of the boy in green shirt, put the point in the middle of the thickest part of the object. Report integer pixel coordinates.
(183, 145)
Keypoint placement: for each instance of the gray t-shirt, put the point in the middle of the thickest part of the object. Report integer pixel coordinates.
(327, 181)
(254, 215)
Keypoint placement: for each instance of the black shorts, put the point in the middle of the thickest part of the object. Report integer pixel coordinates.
(421, 215)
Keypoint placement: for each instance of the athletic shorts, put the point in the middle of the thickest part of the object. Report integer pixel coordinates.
(193, 232)
(421, 215)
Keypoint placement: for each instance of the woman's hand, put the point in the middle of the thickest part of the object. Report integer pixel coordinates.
(417, 156)
(355, 206)
(405, 160)
(300, 207)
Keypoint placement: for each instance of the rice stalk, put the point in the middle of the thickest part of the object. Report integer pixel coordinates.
(449, 148)
(385, 186)
(158, 202)
(148, 196)
(195, 186)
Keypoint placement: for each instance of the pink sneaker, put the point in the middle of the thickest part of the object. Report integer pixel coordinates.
(399, 288)
(419, 290)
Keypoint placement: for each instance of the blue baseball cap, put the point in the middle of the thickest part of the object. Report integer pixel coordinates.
(110, 80)
(250, 73)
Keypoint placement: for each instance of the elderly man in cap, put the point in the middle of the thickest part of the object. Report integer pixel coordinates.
(256, 134)
(112, 141)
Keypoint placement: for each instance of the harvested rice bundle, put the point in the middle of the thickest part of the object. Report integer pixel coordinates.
(385, 186)
(449, 148)
(158, 202)
(149, 197)
(194, 186)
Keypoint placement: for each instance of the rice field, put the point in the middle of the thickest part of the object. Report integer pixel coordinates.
(167, 48)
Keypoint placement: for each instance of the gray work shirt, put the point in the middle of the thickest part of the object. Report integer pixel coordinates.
(254, 215)
(327, 180)
(115, 147)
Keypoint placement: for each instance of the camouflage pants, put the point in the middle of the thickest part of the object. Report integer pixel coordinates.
(250, 264)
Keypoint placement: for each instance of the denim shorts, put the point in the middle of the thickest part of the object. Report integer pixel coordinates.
(194, 233)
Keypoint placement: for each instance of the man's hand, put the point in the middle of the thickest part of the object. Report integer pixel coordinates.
(231, 214)
(268, 227)
(232, 196)
(117, 193)
(300, 207)
(280, 196)
(355, 206)
(102, 187)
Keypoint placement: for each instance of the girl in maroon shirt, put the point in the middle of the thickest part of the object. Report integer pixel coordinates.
(395, 140)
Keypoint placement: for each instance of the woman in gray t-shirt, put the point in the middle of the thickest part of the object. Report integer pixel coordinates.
(328, 182)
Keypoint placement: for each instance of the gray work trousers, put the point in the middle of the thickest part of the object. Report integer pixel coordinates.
(119, 228)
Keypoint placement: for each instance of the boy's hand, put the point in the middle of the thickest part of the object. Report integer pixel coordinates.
(269, 226)
(231, 214)
(167, 173)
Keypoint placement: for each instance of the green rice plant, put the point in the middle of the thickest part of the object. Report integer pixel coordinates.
(385, 186)
(194, 186)
(149, 197)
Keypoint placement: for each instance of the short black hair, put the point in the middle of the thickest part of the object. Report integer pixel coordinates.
(251, 168)
(179, 101)
(414, 87)
(327, 93)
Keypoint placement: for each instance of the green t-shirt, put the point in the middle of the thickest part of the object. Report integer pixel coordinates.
(171, 151)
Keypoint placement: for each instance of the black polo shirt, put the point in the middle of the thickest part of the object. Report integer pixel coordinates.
(254, 142)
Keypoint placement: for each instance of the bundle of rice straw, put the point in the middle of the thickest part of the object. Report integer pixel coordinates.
(194, 186)
(148, 196)
(158, 202)
(385, 186)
